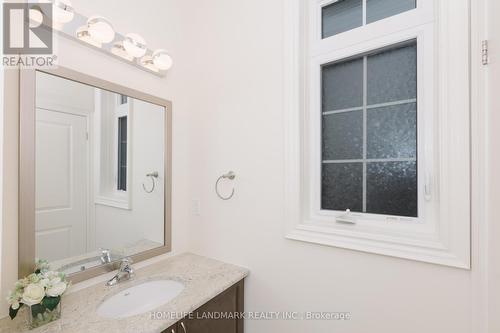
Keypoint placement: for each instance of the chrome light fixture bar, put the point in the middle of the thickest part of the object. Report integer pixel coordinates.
(98, 33)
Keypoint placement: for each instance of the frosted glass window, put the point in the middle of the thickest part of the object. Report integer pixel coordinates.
(344, 15)
(392, 131)
(342, 85)
(122, 154)
(342, 186)
(380, 9)
(341, 16)
(392, 75)
(343, 136)
(392, 188)
(369, 132)
(123, 99)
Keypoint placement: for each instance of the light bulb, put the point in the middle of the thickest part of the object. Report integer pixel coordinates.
(135, 45)
(162, 60)
(100, 29)
(119, 50)
(147, 62)
(62, 11)
(83, 34)
(36, 18)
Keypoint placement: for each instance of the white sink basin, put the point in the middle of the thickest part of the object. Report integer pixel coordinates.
(140, 299)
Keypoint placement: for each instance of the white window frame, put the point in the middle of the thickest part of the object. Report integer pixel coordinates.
(441, 233)
(106, 183)
(121, 110)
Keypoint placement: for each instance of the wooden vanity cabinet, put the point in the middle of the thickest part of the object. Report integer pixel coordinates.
(202, 319)
(171, 329)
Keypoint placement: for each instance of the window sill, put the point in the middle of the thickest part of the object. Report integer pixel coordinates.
(114, 202)
(419, 250)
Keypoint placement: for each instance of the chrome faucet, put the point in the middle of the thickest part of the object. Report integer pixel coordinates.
(125, 272)
(105, 256)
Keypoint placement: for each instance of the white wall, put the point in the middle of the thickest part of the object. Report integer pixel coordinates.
(493, 105)
(116, 227)
(236, 117)
(2, 78)
(148, 155)
(53, 92)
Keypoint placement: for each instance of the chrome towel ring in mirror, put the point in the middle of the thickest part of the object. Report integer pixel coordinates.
(153, 175)
(231, 176)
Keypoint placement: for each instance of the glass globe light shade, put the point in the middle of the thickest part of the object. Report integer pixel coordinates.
(100, 29)
(162, 60)
(135, 45)
(62, 10)
(36, 18)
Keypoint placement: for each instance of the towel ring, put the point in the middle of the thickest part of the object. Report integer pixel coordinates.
(231, 176)
(153, 176)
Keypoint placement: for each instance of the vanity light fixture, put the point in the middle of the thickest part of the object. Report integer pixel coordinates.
(119, 50)
(62, 12)
(162, 60)
(147, 62)
(83, 34)
(135, 45)
(99, 32)
(100, 29)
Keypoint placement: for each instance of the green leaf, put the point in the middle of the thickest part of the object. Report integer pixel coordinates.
(51, 302)
(13, 313)
(37, 309)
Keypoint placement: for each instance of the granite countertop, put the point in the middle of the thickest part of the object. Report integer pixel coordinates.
(202, 277)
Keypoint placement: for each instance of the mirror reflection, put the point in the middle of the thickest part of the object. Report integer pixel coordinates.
(99, 174)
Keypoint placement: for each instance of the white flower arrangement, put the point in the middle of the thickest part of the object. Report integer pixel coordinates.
(42, 289)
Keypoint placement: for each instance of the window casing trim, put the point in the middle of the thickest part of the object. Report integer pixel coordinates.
(424, 37)
(446, 241)
(105, 183)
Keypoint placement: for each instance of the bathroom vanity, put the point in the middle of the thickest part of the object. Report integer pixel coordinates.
(210, 288)
(95, 195)
(206, 319)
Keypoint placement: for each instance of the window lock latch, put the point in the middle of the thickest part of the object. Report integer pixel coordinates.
(485, 56)
(346, 218)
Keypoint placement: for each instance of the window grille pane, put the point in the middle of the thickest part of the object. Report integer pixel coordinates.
(380, 9)
(341, 16)
(342, 85)
(392, 75)
(343, 136)
(392, 188)
(122, 154)
(369, 132)
(392, 131)
(123, 99)
(342, 186)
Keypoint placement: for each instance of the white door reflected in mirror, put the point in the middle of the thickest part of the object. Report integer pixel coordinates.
(61, 185)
